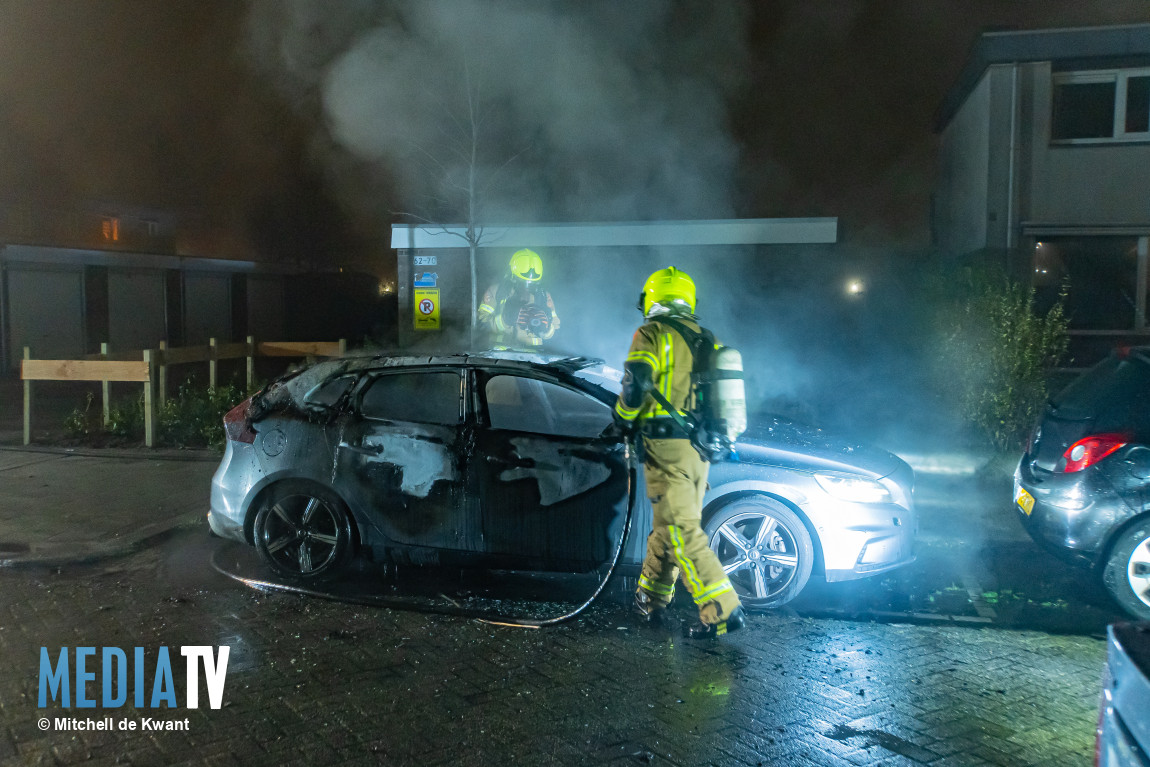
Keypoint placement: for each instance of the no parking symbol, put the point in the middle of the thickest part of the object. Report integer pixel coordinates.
(426, 315)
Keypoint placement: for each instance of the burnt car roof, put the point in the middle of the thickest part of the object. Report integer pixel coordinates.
(589, 369)
(498, 357)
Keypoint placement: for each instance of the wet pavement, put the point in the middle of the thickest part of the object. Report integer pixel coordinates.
(317, 682)
(985, 651)
(64, 505)
(976, 565)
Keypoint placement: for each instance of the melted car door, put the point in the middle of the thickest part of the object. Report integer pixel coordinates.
(554, 492)
(402, 456)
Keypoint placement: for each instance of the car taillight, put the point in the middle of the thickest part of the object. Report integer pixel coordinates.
(236, 424)
(1090, 450)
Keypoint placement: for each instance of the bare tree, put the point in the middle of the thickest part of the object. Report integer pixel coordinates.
(460, 180)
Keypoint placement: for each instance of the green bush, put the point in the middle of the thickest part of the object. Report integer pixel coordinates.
(125, 421)
(81, 423)
(193, 418)
(994, 351)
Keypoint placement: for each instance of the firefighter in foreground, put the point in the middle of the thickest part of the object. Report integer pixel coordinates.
(661, 360)
(518, 311)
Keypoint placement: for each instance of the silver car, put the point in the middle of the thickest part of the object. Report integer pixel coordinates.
(506, 461)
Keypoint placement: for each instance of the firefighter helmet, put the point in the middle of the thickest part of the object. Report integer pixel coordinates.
(526, 265)
(671, 288)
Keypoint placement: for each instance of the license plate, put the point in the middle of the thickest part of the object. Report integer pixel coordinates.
(1024, 500)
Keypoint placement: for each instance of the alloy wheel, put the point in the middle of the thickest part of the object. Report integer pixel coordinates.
(301, 534)
(1138, 571)
(758, 553)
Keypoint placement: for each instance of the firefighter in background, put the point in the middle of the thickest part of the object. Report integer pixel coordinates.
(676, 474)
(517, 311)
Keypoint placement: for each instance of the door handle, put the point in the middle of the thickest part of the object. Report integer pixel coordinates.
(364, 449)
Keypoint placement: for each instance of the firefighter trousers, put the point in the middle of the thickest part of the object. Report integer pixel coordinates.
(676, 483)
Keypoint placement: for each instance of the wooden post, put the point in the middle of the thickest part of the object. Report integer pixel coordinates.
(149, 404)
(27, 401)
(212, 363)
(343, 347)
(106, 389)
(163, 371)
(251, 361)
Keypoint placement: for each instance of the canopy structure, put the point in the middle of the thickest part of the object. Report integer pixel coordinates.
(747, 231)
(434, 289)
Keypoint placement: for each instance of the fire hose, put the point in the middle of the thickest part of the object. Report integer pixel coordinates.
(485, 616)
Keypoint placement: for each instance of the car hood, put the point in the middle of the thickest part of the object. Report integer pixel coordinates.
(779, 442)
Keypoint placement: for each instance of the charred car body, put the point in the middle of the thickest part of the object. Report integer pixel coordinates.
(506, 461)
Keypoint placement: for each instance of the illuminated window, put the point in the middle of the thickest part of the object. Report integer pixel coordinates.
(111, 229)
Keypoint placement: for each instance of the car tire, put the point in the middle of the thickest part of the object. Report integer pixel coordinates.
(303, 532)
(769, 546)
(1126, 572)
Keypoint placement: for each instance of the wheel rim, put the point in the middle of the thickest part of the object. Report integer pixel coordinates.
(302, 533)
(758, 553)
(1138, 571)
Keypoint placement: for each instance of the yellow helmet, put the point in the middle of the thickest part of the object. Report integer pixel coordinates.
(526, 265)
(670, 287)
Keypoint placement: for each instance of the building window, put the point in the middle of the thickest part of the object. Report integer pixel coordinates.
(110, 228)
(1111, 105)
(1100, 276)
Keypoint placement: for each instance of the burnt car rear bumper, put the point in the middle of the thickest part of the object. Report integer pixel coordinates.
(232, 485)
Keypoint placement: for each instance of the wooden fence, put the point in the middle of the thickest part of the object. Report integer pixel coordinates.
(150, 367)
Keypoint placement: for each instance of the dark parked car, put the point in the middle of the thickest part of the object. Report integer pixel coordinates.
(506, 461)
(1123, 738)
(1083, 487)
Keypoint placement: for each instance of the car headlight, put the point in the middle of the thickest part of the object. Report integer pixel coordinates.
(851, 487)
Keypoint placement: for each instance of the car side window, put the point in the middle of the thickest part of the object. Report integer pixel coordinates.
(414, 397)
(328, 393)
(518, 403)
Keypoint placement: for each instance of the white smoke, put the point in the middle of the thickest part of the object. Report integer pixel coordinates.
(584, 111)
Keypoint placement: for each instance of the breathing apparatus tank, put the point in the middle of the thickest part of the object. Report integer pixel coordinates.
(720, 396)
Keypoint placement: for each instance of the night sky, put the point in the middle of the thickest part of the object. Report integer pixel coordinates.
(141, 103)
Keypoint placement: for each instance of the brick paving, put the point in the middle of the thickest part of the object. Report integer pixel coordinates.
(313, 682)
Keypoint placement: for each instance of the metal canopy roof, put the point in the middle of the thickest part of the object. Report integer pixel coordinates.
(747, 231)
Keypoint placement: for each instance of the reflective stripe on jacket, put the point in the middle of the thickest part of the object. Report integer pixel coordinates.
(662, 355)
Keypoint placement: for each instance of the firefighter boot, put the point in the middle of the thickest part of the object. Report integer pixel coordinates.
(735, 621)
(647, 610)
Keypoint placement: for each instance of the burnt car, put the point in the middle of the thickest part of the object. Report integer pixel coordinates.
(508, 461)
(1082, 489)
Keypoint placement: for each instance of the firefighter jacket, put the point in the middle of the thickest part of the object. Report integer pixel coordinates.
(518, 315)
(659, 358)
